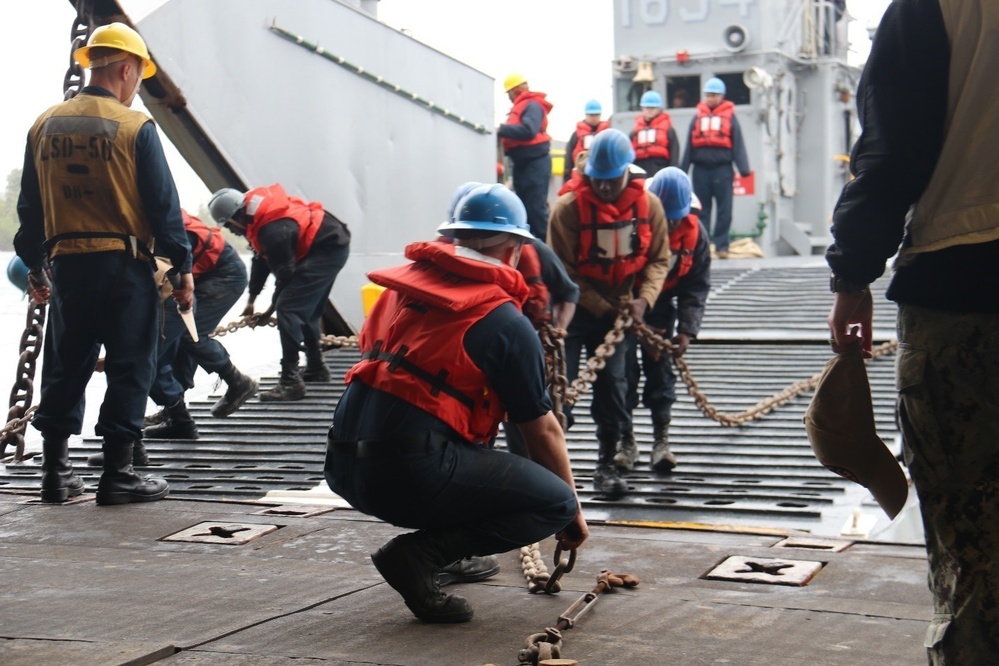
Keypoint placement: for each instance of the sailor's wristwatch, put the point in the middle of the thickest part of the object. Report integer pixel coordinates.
(838, 285)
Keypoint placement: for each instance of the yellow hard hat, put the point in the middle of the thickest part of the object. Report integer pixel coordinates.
(117, 36)
(512, 81)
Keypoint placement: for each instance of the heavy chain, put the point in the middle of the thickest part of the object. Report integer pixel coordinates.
(256, 319)
(21, 411)
(20, 414)
(555, 380)
(548, 644)
(247, 321)
(588, 374)
(657, 342)
(337, 341)
(563, 393)
(72, 83)
(535, 572)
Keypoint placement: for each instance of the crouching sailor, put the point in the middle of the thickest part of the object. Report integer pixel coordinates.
(446, 356)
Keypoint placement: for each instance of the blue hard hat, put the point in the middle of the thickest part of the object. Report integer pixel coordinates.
(489, 208)
(715, 85)
(672, 186)
(651, 98)
(458, 195)
(17, 273)
(610, 154)
(593, 107)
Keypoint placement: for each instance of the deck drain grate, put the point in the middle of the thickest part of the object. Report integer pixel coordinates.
(230, 534)
(796, 573)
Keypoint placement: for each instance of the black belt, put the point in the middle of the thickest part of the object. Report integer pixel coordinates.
(397, 446)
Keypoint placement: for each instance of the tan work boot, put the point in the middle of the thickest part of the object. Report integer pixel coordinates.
(627, 452)
(663, 459)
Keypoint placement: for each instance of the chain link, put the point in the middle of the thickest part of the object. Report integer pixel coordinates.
(247, 321)
(72, 83)
(605, 350)
(563, 394)
(21, 394)
(337, 341)
(558, 386)
(548, 644)
(19, 414)
(257, 319)
(652, 339)
(534, 569)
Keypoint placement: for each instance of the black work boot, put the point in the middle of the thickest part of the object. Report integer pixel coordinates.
(663, 459)
(410, 563)
(316, 371)
(289, 387)
(607, 479)
(627, 452)
(239, 389)
(155, 418)
(59, 481)
(139, 456)
(120, 484)
(469, 570)
(178, 425)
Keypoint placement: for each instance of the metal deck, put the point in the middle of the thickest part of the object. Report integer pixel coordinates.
(764, 329)
(287, 579)
(96, 586)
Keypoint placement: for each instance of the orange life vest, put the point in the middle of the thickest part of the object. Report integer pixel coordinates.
(269, 204)
(682, 242)
(713, 127)
(650, 138)
(584, 136)
(614, 238)
(514, 119)
(412, 344)
(538, 298)
(207, 249)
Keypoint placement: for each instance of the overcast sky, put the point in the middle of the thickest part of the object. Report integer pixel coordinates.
(490, 35)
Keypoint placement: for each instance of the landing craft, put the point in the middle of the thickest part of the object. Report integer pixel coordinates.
(272, 584)
(375, 103)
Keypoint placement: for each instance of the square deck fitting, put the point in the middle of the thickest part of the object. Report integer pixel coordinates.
(739, 569)
(814, 543)
(229, 534)
(79, 499)
(294, 511)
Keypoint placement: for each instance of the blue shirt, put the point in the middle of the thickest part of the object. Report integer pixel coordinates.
(502, 344)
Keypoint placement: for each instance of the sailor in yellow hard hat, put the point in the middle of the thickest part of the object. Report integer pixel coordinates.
(96, 194)
(119, 37)
(525, 140)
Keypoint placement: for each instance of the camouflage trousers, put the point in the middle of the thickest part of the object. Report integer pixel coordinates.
(948, 384)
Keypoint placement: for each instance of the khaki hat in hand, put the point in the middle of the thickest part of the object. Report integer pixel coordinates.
(841, 430)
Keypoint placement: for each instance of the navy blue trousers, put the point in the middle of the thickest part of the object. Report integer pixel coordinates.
(498, 500)
(301, 302)
(715, 182)
(607, 406)
(215, 293)
(659, 392)
(99, 298)
(530, 182)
